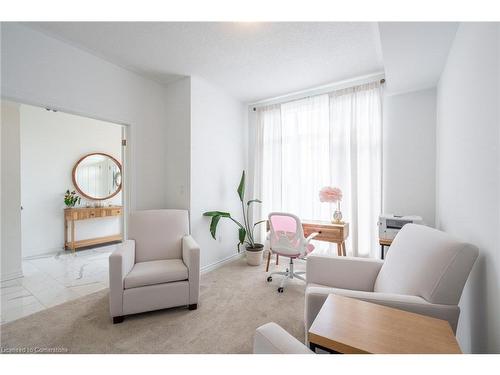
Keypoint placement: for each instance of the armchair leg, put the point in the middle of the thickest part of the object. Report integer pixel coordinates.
(194, 306)
(118, 319)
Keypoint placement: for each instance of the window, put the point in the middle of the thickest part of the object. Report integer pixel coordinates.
(330, 139)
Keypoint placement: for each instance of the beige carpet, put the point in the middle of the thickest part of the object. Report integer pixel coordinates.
(234, 300)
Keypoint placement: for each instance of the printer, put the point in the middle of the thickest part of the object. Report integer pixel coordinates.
(389, 224)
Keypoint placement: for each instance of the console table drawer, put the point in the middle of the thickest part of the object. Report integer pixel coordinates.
(115, 212)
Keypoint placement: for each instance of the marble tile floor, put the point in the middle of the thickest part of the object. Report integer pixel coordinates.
(53, 279)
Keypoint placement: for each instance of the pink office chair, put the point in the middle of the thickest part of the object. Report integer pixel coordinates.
(287, 239)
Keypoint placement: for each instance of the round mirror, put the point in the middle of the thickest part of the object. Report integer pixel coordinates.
(97, 176)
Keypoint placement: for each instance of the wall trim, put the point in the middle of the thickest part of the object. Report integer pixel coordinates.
(222, 262)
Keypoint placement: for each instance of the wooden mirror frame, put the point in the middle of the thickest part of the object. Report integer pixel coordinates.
(88, 196)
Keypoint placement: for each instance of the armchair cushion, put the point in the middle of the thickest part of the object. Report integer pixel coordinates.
(158, 233)
(428, 263)
(156, 272)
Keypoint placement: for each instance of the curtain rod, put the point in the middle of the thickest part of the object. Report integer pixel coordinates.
(319, 90)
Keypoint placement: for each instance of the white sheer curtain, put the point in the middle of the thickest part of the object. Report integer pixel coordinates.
(331, 139)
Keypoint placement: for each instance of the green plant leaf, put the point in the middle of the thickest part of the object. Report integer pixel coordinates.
(217, 213)
(259, 222)
(213, 225)
(241, 187)
(253, 200)
(242, 233)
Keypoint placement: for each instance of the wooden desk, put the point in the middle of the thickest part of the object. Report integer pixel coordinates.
(328, 231)
(383, 243)
(85, 213)
(347, 325)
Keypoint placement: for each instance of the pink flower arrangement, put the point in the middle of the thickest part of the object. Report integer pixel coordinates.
(330, 194)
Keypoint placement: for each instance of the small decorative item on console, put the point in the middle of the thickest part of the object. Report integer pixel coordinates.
(71, 199)
(332, 195)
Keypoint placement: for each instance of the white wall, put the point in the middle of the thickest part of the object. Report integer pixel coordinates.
(468, 174)
(174, 132)
(178, 150)
(40, 70)
(11, 194)
(409, 154)
(51, 144)
(218, 156)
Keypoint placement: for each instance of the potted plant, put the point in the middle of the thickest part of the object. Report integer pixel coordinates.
(71, 199)
(254, 250)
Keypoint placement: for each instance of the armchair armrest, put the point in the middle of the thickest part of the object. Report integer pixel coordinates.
(121, 262)
(270, 338)
(342, 272)
(191, 258)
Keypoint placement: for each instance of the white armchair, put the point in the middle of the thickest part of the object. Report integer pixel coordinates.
(424, 272)
(270, 338)
(157, 267)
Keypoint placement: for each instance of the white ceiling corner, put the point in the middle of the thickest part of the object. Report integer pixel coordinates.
(414, 53)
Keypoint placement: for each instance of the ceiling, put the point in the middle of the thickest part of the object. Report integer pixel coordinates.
(258, 60)
(251, 61)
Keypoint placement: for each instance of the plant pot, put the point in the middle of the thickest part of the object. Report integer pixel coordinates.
(254, 254)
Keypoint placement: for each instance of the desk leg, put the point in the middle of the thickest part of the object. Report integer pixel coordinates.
(339, 249)
(382, 252)
(65, 233)
(277, 259)
(268, 260)
(312, 347)
(73, 236)
(344, 253)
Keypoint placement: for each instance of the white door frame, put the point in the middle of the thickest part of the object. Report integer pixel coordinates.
(126, 154)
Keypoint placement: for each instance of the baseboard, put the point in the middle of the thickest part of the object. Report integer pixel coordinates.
(45, 254)
(204, 269)
(11, 275)
(222, 262)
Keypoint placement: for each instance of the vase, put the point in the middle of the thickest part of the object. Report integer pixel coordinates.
(337, 215)
(254, 254)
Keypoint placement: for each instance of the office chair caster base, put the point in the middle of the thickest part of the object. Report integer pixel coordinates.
(280, 289)
(269, 279)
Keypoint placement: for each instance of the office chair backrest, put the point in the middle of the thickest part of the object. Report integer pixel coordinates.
(287, 235)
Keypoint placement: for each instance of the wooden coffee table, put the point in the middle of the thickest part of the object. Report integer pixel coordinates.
(347, 325)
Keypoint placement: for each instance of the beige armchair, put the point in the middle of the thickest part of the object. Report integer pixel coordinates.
(424, 272)
(157, 267)
(270, 338)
